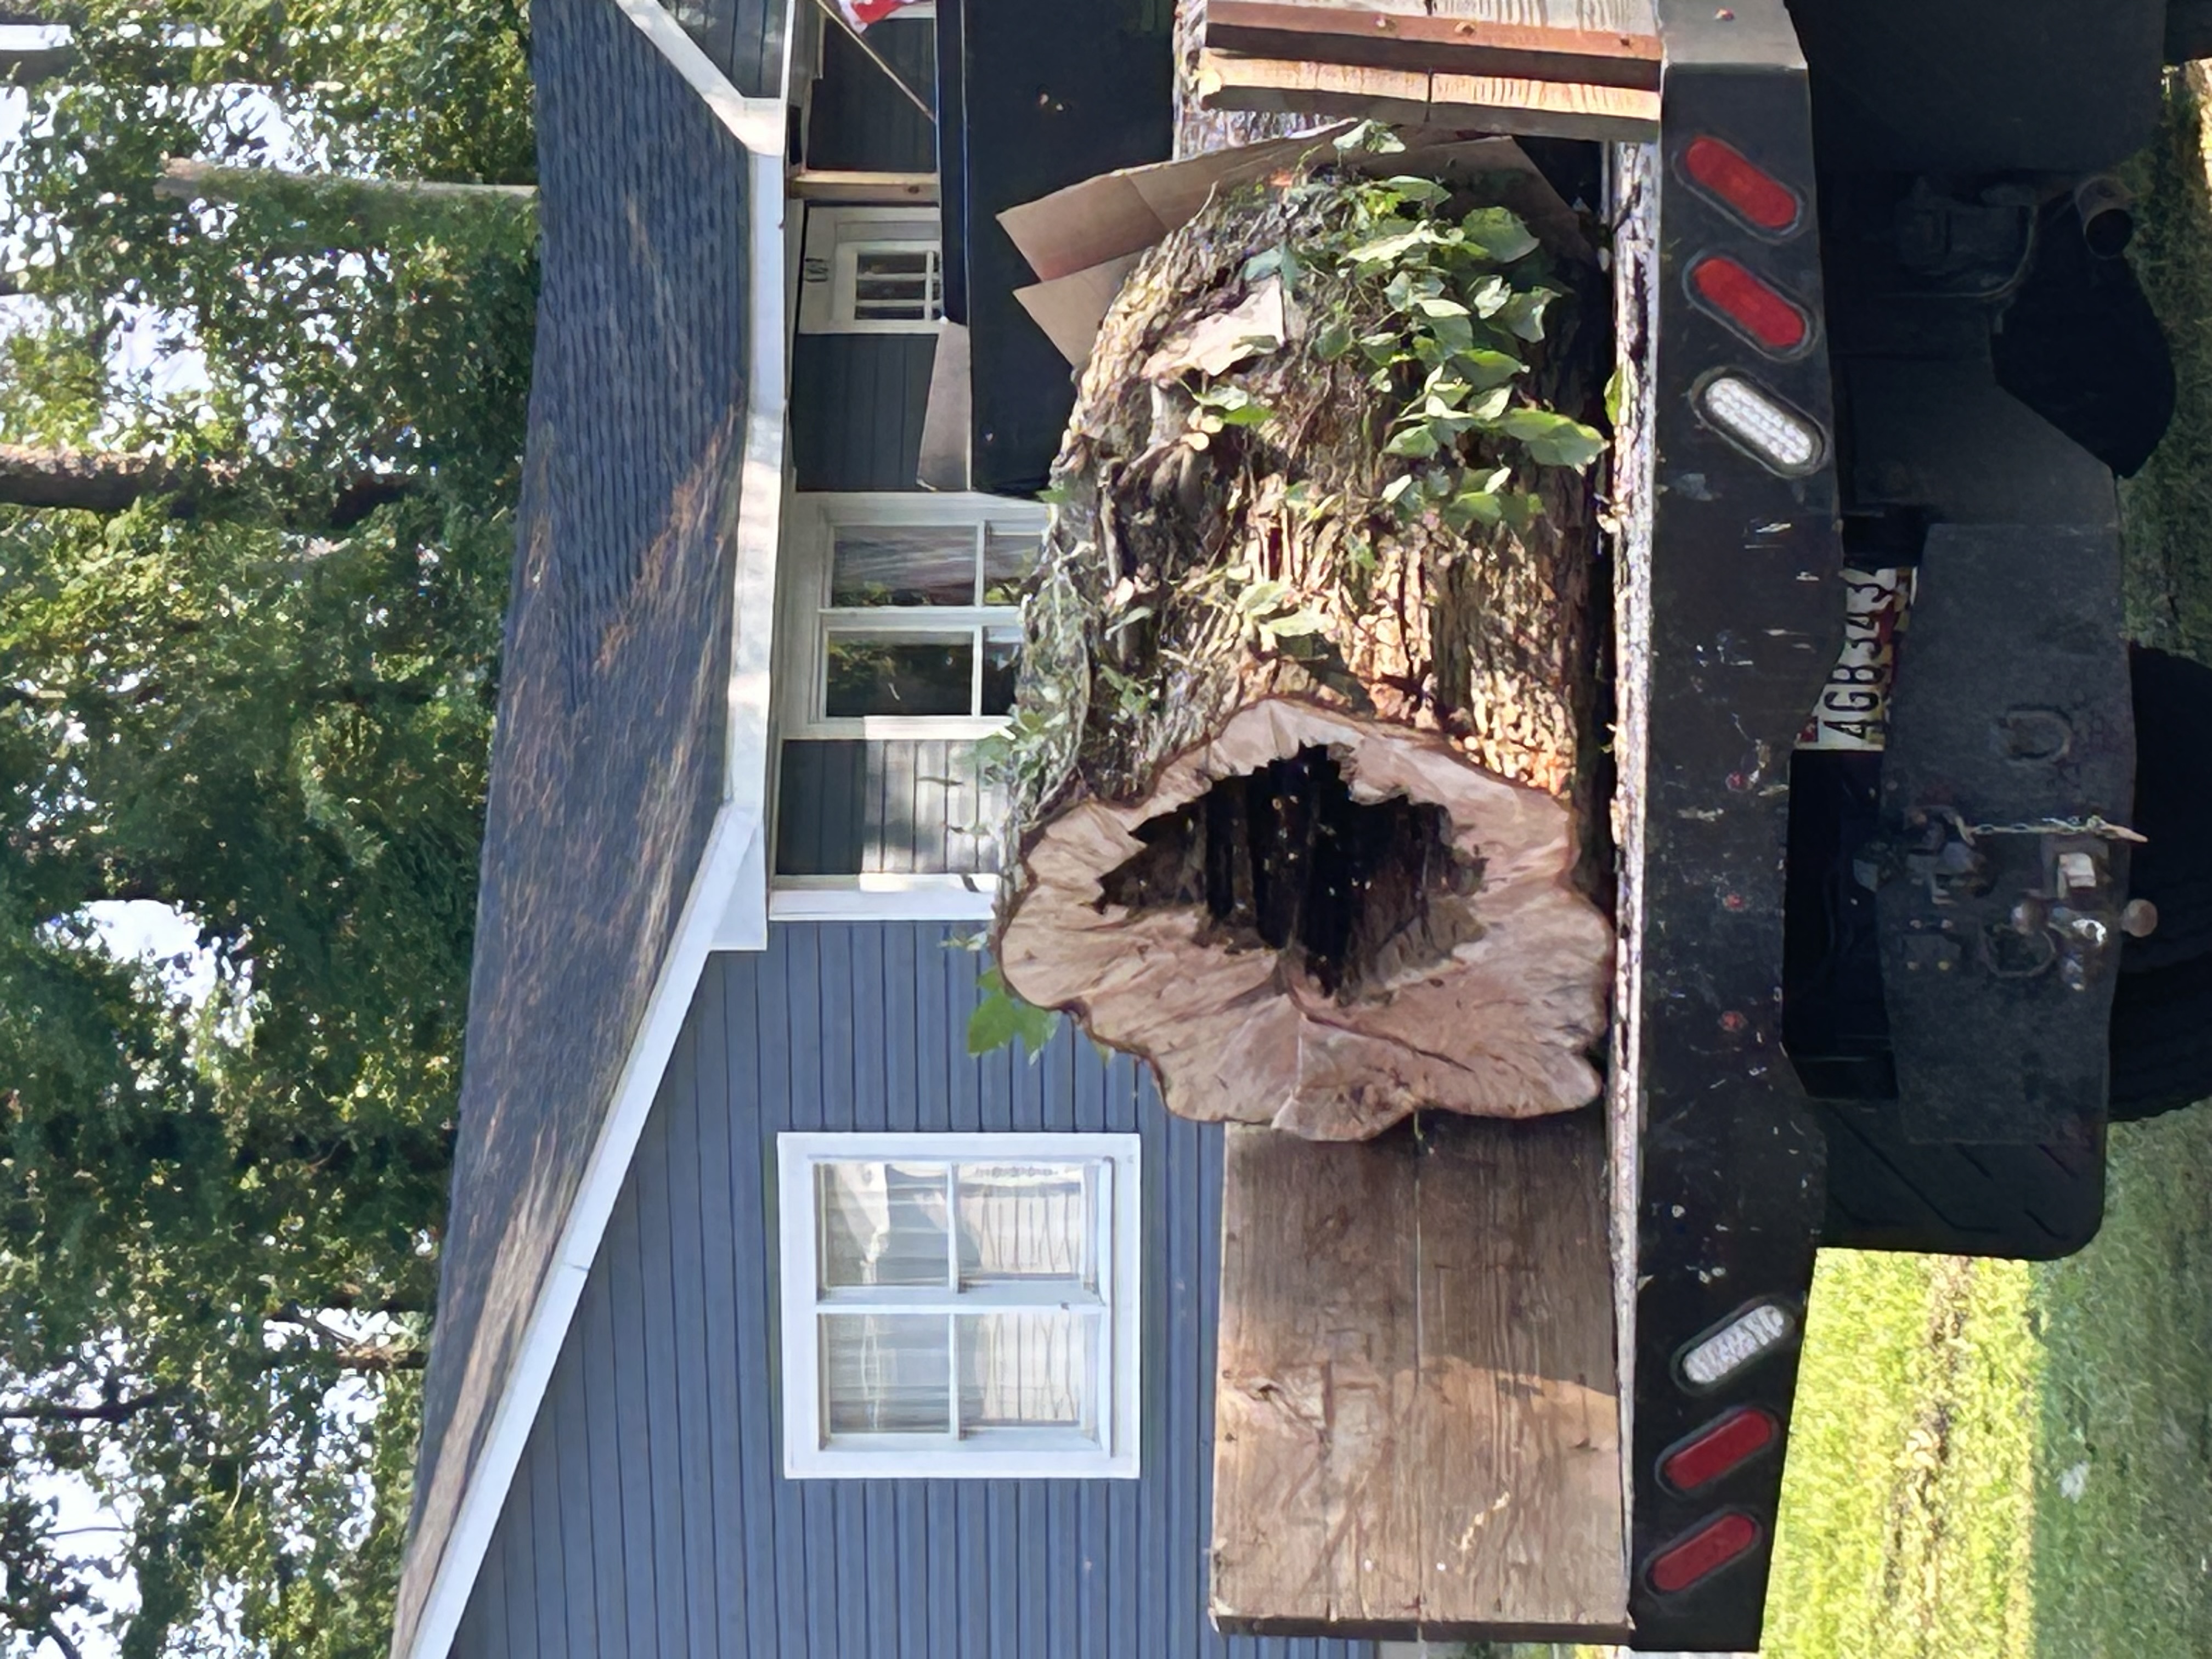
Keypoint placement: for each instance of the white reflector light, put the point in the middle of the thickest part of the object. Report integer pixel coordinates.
(1736, 1344)
(1781, 437)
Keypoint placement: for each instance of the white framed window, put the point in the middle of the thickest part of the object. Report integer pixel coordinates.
(872, 270)
(959, 1305)
(903, 615)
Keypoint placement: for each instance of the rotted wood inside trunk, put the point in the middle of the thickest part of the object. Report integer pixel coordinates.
(1285, 858)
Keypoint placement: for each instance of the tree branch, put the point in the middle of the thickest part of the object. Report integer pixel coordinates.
(120, 1410)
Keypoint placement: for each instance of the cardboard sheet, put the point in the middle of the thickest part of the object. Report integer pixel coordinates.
(1083, 240)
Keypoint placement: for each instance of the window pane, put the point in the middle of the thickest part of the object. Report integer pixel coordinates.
(1002, 667)
(1008, 558)
(1028, 1369)
(883, 1224)
(903, 564)
(1025, 1221)
(909, 674)
(897, 283)
(886, 1373)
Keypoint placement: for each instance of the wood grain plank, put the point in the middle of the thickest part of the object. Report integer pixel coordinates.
(1314, 1372)
(1462, 41)
(1525, 108)
(1416, 1416)
(1293, 86)
(1518, 1395)
(1545, 109)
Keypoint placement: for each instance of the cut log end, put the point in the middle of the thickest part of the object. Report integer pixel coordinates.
(1325, 923)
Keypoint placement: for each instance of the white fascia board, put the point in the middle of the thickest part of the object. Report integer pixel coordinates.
(729, 900)
(750, 745)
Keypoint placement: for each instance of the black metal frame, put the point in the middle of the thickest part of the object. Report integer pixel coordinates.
(1746, 620)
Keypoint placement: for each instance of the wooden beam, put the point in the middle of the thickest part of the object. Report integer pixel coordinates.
(1367, 37)
(1417, 1427)
(1295, 87)
(904, 188)
(1547, 109)
(1554, 109)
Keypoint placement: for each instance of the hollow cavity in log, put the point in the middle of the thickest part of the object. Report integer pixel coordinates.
(1285, 858)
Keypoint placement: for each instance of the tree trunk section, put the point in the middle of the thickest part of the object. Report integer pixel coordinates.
(1318, 831)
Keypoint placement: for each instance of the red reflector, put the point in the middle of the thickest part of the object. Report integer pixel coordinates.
(1757, 196)
(1716, 1450)
(1706, 1551)
(1749, 303)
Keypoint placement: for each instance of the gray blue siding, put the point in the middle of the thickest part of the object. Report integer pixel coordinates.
(858, 120)
(744, 38)
(650, 1518)
(849, 806)
(857, 403)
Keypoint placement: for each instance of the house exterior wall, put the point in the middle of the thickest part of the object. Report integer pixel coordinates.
(858, 120)
(857, 402)
(743, 39)
(650, 1518)
(877, 807)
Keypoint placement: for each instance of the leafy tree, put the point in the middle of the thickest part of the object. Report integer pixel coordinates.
(253, 680)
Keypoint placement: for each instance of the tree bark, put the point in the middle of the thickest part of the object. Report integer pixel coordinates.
(108, 480)
(97, 480)
(1321, 833)
(330, 210)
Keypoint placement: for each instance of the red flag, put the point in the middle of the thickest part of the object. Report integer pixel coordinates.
(861, 13)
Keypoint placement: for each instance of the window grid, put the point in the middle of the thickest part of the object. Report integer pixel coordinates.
(1040, 1322)
(958, 1299)
(977, 627)
(896, 283)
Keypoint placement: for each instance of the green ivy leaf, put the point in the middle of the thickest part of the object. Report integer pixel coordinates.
(1521, 510)
(1491, 405)
(1492, 295)
(1387, 250)
(1553, 440)
(1483, 369)
(1418, 442)
(1331, 341)
(1500, 233)
(1524, 313)
(1424, 192)
(1616, 387)
(1473, 506)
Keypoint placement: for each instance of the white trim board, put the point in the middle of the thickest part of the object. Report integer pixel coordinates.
(881, 898)
(727, 905)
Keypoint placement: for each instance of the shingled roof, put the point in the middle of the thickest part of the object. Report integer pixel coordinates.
(608, 773)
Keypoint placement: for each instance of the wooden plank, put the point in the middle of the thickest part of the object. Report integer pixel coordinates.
(1416, 1417)
(1470, 103)
(1518, 1395)
(829, 185)
(1461, 44)
(1291, 87)
(1313, 1516)
(1545, 109)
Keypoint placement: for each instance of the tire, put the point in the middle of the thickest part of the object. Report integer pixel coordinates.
(2172, 868)
(2161, 1041)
